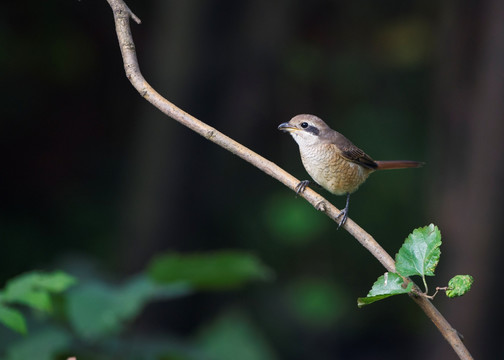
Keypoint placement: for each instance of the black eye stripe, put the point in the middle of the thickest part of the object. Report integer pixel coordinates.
(312, 129)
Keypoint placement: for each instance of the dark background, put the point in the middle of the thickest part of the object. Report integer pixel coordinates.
(90, 168)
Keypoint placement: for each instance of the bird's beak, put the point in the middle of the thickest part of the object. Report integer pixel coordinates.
(286, 127)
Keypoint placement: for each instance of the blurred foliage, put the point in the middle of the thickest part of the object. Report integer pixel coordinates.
(219, 270)
(97, 311)
(33, 289)
(44, 344)
(12, 319)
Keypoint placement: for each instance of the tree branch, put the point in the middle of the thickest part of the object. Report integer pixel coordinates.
(122, 14)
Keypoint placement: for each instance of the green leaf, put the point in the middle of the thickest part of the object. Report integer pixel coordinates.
(97, 309)
(459, 285)
(33, 288)
(387, 285)
(39, 300)
(55, 282)
(22, 290)
(420, 252)
(219, 270)
(45, 344)
(13, 319)
(141, 289)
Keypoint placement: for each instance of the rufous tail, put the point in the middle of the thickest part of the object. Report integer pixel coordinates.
(397, 164)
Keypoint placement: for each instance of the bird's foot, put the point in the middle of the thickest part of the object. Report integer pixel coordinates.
(343, 215)
(302, 186)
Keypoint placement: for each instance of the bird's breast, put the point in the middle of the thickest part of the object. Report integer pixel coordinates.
(331, 170)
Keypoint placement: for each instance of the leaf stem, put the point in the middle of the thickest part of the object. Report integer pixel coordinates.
(425, 285)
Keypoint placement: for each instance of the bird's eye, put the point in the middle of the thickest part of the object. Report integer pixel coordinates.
(304, 125)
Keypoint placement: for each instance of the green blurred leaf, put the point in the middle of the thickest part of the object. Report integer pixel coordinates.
(43, 345)
(55, 282)
(420, 252)
(34, 288)
(316, 302)
(233, 336)
(141, 289)
(218, 270)
(92, 310)
(96, 309)
(459, 285)
(387, 285)
(13, 319)
(40, 300)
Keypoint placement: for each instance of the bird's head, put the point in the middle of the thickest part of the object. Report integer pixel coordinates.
(305, 129)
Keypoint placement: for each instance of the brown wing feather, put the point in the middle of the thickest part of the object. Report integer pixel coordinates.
(356, 155)
(348, 150)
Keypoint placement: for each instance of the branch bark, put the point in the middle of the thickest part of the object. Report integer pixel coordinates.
(122, 15)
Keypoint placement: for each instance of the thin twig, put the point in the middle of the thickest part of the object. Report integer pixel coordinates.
(122, 14)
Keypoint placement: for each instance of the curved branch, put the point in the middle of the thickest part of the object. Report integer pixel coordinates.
(122, 14)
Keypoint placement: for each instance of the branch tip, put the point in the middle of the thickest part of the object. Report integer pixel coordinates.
(134, 17)
(119, 6)
(132, 14)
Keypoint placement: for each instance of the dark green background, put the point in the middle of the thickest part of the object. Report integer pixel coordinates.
(90, 169)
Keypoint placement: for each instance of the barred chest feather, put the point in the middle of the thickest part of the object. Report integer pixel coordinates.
(331, 171)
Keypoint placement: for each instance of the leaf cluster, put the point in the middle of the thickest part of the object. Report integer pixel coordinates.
(34, 290)
(95, 313)
(418, 256)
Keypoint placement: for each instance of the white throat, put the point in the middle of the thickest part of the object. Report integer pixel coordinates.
(304, 138)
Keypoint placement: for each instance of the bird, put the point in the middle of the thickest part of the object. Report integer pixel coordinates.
(332, 160)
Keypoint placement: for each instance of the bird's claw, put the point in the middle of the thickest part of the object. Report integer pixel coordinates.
(302, 186)
(344, 215)
(344, 212)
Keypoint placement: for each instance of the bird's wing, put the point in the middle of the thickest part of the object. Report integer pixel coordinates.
(348, 150)
(356, 155)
